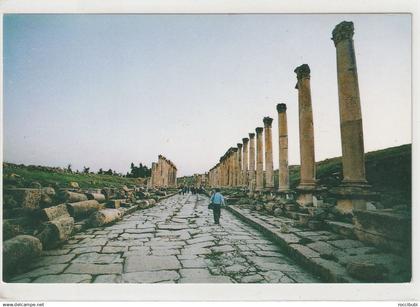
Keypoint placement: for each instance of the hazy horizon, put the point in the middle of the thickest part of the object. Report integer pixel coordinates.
(103, 91)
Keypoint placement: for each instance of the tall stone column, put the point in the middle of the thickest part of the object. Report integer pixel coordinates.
(306, 129)
(235, 166)
(306, 135)
(239, 171)
(283, 149)
(268, 141)
(259, 183)
(245, 142)
(354, 188)
(349, 102)
(251, 174)
(231, 168)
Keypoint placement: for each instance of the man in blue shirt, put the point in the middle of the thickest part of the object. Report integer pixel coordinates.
(217, 200)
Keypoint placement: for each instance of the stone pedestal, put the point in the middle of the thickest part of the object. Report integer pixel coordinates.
(259, 180)
(268, 141)
(354, 191)
(283, 149)
(251, 173)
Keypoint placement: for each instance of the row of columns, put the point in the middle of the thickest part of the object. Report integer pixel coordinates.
(243, 166)
(163, 173)
(237, 167)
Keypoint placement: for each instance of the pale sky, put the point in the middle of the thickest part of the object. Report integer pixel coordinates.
(107, 90)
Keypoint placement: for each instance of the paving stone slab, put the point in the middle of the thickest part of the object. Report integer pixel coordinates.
(144, 263)
(55, 252)
(256, 278)
(108, 278)
(45, 270)
(114, 249)
(98, 258)
(86, 249)
(222, 249)
(49, 260)
(95, 269)
(150, 276)
(64, 278)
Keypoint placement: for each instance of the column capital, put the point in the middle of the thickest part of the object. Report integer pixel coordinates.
(344, 30)
(259, 130)
(234, 149)
(239, 145)
(245, 140)
(303, 71)
(251, 135)
(281, 107)
(267, 121)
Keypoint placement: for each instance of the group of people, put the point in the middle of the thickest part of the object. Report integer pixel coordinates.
(193, 190)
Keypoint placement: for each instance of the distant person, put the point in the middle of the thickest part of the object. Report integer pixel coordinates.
(217, 200)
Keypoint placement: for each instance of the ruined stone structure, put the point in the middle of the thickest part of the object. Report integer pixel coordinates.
(163, 173)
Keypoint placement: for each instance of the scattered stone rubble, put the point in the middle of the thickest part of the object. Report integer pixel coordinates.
(44, 218)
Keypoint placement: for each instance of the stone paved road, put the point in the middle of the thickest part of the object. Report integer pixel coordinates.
(173, 242)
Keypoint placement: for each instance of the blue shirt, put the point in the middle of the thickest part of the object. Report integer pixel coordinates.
(217, 199)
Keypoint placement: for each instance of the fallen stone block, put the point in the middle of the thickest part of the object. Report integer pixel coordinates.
(18, 251)
(74, 185)
(56, 231)
(23, 198)
(100, 198)
(84, 208)
(72, 197)
(104, 217)
(14, 227)
(115, 203)
(52, 213)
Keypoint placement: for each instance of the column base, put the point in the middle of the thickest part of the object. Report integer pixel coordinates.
(353, 196)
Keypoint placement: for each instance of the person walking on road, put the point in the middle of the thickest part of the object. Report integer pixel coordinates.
(216, 201)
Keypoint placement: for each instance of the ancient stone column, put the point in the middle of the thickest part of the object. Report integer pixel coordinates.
(259, 183)
(268, 141)
(245, 142)
(251, 173)
(349, 102)
(235, 166)
(306, 129)
(283, 149)
(231, 168)
(239, 170)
